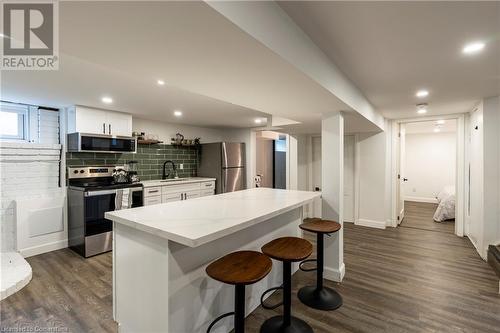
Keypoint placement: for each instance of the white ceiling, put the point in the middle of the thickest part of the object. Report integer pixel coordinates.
(121, 48)
(392, 49)
(83, 83)
(425, 127)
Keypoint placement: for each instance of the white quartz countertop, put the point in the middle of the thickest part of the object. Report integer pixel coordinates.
(159, 182)
(198, 221)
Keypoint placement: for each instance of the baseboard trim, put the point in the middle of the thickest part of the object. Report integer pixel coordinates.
(332, 274)
(371, 223)
(35, 250)
(422, 199)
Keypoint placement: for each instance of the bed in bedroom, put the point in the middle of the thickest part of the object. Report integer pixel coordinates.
(446, 204)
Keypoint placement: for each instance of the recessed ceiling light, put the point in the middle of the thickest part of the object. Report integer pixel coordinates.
(440, 122)
(107, 100)
(422, 108)
(177, 113)
(161, 82)
(258, 121)
(473, 48)
(422, 93)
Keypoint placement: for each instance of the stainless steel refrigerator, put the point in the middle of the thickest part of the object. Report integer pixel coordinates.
(224, 161)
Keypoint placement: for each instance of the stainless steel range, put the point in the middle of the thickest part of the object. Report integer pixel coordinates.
(93, 191)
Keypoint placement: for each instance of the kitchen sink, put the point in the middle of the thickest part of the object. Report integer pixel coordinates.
(172, 180)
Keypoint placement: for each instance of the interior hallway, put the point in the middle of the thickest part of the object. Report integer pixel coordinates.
(397, 280)
(419, 215)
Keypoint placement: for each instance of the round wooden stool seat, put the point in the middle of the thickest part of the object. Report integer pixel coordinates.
(288, 249)
(240, 268)
(320, 226)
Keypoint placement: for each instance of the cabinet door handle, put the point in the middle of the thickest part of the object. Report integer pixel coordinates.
(109, 128)
(103, 128)
(182, 197)
(185, 196)
(154, 191)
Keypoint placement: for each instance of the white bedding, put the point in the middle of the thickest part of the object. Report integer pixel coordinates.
(446, 207)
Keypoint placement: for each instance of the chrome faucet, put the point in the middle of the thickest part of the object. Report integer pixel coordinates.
(174, 169)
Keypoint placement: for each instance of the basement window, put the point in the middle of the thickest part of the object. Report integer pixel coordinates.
(29, 123)
(13, 121)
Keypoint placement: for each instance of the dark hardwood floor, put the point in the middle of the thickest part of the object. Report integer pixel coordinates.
(419, 215)
(397, 280)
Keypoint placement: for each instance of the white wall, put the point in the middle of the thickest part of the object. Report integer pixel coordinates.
(166, 131)
(491, 123)
(430, 165)
(372, 151)
(483, 152)
(27, 171)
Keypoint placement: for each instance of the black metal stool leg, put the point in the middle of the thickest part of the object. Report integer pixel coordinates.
(320, 297)
(286, 323)
(239, 309)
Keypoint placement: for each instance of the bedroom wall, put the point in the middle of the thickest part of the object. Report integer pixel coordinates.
(430, 165)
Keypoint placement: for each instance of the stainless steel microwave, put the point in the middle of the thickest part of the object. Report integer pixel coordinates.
(101, 143)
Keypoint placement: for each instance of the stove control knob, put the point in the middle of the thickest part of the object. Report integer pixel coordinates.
(76, 171)
(82, 171)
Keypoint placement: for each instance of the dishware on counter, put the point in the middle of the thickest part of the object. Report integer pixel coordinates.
(132, 172)
(120, 176)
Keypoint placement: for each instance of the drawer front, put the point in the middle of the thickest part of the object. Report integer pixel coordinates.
(179, 188)
(205, 193)
(207, 185)
(170, 197)
(152, 201)
(192, 194)
(152, 191)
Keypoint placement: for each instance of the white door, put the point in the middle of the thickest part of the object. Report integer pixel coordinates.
(119, 124)
(349, 141)
(90, 121)
(316, 173)
(401, 160)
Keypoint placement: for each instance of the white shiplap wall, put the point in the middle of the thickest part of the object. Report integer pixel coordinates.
(27, 170)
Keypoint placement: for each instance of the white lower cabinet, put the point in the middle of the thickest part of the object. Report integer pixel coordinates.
(148, 201)
(177, 192)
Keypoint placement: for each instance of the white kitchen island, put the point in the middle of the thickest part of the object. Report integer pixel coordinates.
(160, 253)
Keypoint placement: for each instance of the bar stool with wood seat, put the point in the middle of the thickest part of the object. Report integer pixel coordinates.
(239, 269)
(286, 250)
(318, 296)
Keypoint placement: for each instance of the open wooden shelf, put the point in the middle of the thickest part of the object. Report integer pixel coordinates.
(148, 142)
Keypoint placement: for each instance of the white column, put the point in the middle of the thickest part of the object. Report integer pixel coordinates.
(332, 175)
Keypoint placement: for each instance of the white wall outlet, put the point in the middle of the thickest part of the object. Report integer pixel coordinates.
(181, 166)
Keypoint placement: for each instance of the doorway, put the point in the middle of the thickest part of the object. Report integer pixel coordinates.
(271, 160)
(349, 175)
(426, 166)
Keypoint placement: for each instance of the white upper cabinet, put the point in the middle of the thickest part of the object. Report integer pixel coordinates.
(94, 121)
(119, 123)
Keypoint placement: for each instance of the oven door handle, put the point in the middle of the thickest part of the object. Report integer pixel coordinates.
(97, 193)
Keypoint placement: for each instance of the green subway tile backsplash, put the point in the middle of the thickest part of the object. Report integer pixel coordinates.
(150, 158)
